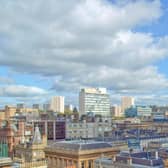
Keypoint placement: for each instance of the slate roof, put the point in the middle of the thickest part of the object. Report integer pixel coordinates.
(79, 145)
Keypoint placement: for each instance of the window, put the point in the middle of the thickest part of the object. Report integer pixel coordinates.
(90, 164)
(82, 165)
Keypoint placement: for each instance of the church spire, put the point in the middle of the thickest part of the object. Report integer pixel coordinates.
(37, 136)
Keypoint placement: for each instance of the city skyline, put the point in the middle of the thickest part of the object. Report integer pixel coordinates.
(52, 48)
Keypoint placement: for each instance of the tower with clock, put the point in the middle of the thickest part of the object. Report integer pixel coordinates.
(32, 152)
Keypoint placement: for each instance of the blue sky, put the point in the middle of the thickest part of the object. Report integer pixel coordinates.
(56, 48)
(159, 29)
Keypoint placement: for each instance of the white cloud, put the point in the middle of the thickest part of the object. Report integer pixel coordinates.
(21, 91)
(83, 43)
(63, 37)
(143, 80)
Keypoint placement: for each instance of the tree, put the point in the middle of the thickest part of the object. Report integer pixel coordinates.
(67, 112)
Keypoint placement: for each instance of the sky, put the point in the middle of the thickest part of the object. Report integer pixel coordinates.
(56, 47)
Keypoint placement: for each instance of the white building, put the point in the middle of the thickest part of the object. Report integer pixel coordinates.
(95, 100)
(57, 104)
(144, 111)
(126, 102)
(77, 130)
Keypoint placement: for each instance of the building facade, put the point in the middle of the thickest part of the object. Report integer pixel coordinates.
(31, 154)
(10, 111)
(88, 130)
(138, 111)
(144, 111)
(79, 130)
(115, 111)
(57, 104)
(36, 106)
(52, 128)
(126, 102)
(46, 107)
(131, 112)
(20, 105)
(95, 100)
(77, 154)
(11, 135)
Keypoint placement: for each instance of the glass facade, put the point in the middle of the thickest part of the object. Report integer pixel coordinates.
(138, 111)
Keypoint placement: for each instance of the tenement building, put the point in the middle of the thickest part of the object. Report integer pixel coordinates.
(88, 130)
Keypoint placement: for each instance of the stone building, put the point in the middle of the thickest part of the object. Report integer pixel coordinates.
(77, 154)
(84, 129)
(5, 162)
(11, 132)
(31, 154)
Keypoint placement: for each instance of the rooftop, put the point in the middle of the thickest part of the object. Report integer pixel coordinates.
(137, 159)
(81, 145)
(150, 159)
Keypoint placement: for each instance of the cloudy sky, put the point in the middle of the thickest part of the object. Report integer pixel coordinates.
(56, 47)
